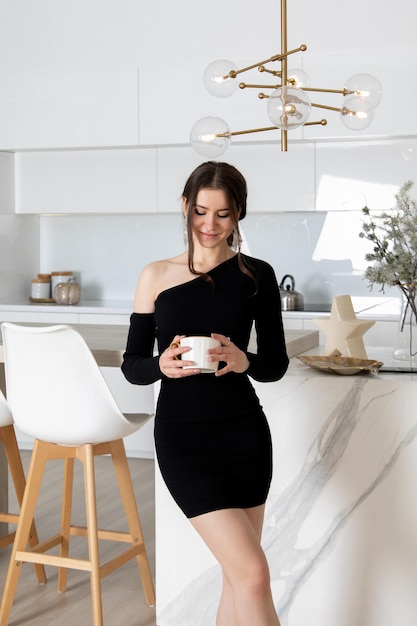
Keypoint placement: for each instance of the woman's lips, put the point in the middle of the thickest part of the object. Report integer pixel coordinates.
(208, 235)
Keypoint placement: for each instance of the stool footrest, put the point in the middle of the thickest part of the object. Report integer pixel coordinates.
(52, 559)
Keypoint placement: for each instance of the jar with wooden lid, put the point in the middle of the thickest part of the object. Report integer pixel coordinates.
(41, 289)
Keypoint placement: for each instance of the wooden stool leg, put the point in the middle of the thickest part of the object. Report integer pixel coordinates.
(18, 476)
(127, 493)
(66, 509)
(36, 470)
(92, 532)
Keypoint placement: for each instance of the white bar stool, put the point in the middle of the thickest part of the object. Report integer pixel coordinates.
(8, 438)
(58, 395)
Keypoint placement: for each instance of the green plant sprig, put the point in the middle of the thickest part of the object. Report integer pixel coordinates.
(394, 238)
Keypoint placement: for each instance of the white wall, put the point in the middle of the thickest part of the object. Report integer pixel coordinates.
(62, 36)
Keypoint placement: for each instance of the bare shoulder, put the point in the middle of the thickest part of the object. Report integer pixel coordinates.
(153, 270)
(154, 278)
(146, 290)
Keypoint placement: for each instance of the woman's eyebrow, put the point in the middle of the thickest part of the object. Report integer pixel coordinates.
(201, 206)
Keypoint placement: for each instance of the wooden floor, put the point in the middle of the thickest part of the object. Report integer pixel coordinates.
(123, 598)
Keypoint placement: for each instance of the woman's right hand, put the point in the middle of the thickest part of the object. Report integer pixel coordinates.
(170, 362)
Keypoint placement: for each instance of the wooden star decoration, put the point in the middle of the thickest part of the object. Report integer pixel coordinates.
(344, 332)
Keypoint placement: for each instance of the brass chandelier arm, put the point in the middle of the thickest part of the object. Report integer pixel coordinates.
(284, 143)
(322, 122)
(246, 132)
(262, 68)
(328, 108)
(276, 57)
(344, 91)
(255, 86)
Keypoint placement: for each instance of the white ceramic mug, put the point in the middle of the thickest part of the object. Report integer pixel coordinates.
(198, 353)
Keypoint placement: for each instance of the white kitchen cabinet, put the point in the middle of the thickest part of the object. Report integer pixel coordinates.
(174, 166)
(395, 115)
(287, 177)
(116, 319)
(72, 110)
(86, 181)
(264, 163)
(167, 115)
(350, 175)
(164, 122)
(7, 203)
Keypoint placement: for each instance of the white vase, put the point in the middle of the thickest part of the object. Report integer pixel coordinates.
(406, 343)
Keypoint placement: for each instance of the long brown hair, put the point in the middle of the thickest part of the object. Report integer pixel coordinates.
(217, 175)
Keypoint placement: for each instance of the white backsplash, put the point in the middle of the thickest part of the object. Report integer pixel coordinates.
(321, 250)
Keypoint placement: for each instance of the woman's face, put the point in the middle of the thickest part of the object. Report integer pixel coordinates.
(211, 219)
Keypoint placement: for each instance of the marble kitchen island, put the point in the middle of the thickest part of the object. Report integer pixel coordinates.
(341, 522)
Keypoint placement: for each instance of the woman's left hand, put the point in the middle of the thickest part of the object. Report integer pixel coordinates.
(235, 359)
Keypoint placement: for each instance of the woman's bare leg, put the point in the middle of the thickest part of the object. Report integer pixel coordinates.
(226, 614)
(233, 536)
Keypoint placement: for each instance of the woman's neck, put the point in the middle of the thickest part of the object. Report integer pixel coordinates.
(205, 260)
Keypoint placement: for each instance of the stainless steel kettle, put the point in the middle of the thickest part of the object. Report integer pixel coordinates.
(291, 300)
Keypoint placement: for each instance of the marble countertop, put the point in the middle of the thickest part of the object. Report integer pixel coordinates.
(382, 308)
(377, 353)
(108, 341)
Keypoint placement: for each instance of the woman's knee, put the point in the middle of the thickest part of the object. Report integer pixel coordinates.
(253, 579)
(260, 579)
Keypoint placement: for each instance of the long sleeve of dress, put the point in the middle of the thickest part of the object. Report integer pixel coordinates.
(271, 361)
(140, 366)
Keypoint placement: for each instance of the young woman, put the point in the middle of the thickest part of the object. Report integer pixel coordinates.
(212, 439)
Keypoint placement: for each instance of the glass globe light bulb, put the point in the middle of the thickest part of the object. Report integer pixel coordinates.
(366, 87)
(356, 114)
(298, 78)
(218, 81)
(204, 136)
(288, 107)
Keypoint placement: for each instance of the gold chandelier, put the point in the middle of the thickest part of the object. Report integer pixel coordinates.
(288, 104)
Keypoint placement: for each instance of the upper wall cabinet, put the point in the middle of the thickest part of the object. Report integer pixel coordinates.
(77, 110)
(273, 177)
(395, 115)
(129, 108)
(167, 115)
(86, 181)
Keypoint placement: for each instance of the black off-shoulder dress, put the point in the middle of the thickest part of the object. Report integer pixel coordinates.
(212, 439)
